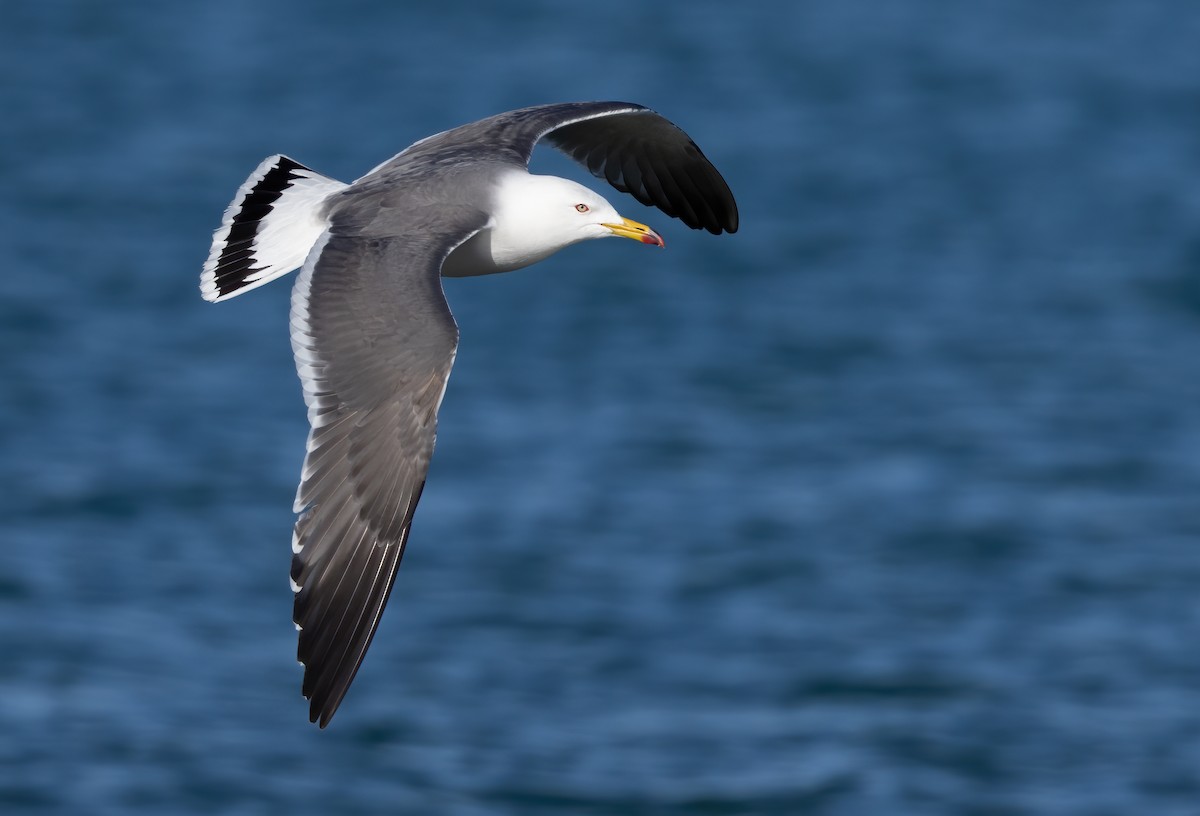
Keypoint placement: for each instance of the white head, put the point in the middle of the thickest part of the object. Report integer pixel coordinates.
(535, 216)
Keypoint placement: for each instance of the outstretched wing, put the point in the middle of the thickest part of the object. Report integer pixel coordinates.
(633, 148)
(374, 343)
(643, 154)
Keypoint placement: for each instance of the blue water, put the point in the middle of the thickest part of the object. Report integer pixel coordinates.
(888, 504)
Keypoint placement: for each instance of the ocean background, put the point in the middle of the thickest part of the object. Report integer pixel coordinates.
(887, 504)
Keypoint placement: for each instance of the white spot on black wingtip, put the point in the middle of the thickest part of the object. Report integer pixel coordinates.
(295, 587)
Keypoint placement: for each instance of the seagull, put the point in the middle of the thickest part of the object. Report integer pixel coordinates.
(373, 336)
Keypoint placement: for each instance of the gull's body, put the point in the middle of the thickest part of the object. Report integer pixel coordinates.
(373, 336)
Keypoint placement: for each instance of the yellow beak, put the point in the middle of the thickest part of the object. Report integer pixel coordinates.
(636, 231)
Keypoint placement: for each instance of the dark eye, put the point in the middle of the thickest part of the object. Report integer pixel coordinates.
(582, 207)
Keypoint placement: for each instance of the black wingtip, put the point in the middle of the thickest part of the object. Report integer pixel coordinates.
(642, 153)
(322, 705)
(332, 651)
(320, 716)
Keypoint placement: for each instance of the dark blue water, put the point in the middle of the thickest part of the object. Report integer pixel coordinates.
(886, 505)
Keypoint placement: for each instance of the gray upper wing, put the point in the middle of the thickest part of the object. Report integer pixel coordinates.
(374, 343)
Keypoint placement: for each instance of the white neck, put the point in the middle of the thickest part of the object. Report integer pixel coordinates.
(532, 218)
(522, 231)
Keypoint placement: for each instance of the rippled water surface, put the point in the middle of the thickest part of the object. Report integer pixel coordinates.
(885, 505)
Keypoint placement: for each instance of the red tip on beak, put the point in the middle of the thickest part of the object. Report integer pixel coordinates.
(627, 228)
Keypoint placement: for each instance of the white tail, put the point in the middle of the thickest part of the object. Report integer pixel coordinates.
(268, 229)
